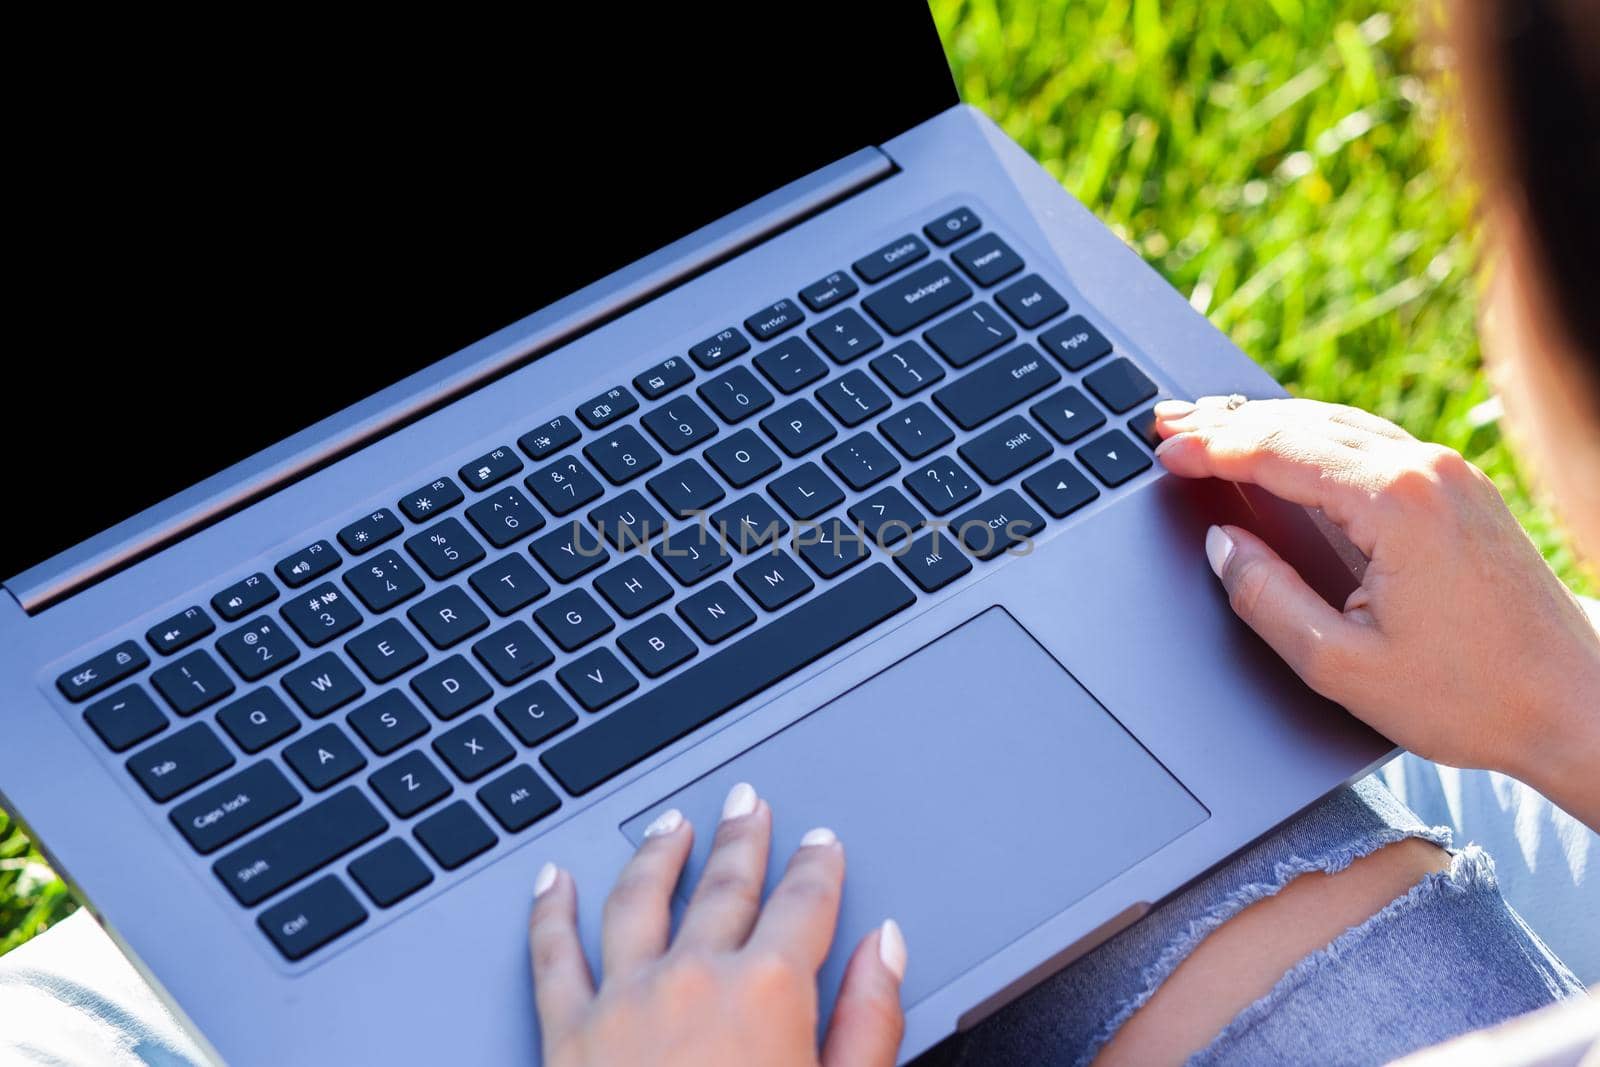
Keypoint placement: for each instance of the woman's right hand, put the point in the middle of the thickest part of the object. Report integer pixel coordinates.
(1460, 643)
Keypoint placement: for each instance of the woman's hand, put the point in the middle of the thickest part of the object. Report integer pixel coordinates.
(1460, 644)
(738, 985)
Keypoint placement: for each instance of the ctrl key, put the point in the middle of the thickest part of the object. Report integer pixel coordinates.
(312, 917)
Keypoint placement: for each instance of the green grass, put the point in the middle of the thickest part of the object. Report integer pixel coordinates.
(1290, 165)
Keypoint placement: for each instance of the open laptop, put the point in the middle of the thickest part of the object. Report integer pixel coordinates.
(358, 567)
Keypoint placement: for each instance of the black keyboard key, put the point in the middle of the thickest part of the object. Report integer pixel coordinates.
(518, 799)
(805, 491)
(735, 394)
(574, 620)
(322, 685)
(952, 226)
(742, 458)
(853, 398)
(444, 548)
(234, 806)
(390, 873)
(623, 454)
(448, 617)
(473, 749)
(685, 489)
(897, 255)
(505, 516)
(1031, 301)
(1060, 488)
(564, 486)
(798, 428)
(845, 336)
(716, 350)
(535, 714)
(627, 521)
(995, 525)
(1120, 385)
(907, 368)
(942, 485)
(450, 687)
(388, 722)
(1143, 426)
(657, 645)
(410, 784)
(692, 554)
(861, 461)
(108, 668)
(717, 683)
(258, 648)
(921, 295)
(192, 682)
(748, 523)
(310, 562)
(509, 584)
(823, 294)
(243, 597)
(258, 719)
(664, 377)
(933, 561)
(513, 652)
(886, 517)
(1068, 414)
(455, 835)
(545, 441)
(383, 581)
(320, 614)
(611, 405)
(125, 718)
(420, 505)
(386, 651)
(494, 466)
(832, 547)
(302, 844)
(324, 757)
(774, 580)
(973, 333)
(570, 551)
(716, 612)
(1001, 383)
(790, 365)
(311, 918)
(1114, 457)
(1075, 343)
(633, 587)
(1009, 446)
(916, 431)
(370, 531)
(180, 631)
(680, 425)
(987, 260)
(180, 761)
(773, 319)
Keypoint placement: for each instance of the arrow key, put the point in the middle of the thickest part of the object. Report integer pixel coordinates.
(1060, 488)
(1114, 457)
(1068, 414)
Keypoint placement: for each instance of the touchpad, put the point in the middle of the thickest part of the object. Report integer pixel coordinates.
(978, 790)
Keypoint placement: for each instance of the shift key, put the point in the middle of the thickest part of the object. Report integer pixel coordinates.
(284, 855)
(1003, 382)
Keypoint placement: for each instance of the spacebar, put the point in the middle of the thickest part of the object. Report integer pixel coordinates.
(714, 685)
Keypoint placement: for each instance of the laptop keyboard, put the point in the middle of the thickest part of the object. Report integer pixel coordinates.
(472, 657)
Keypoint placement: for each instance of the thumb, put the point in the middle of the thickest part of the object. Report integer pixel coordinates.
(1316, 640)
(867, 1021)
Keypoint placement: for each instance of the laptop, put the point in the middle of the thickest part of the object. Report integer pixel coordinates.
(458, 443)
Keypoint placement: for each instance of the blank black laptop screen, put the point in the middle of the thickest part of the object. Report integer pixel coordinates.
(212, 216)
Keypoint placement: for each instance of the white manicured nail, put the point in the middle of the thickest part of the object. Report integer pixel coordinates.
(1219, 549)
(892, 948)
(545, 879)
(665, 823)
(1168, 443)
(820, 836)
(741, 801)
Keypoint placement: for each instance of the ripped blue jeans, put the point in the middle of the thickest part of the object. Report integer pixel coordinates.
(1447, 957)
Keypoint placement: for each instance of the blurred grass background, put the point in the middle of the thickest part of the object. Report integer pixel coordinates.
(1292, 166)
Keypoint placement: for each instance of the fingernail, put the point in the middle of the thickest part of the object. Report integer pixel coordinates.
(741, 801)
(820, 836)
(665, 823)
(1173, 409)
(545, 879)
(1219, 549)
(1168, 443)
(892, 948)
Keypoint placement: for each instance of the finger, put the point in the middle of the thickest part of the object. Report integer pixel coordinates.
(638, 912)
(800, 915)
(725, 903)
(562, 987)
(1345, 425)
(867, 1021)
